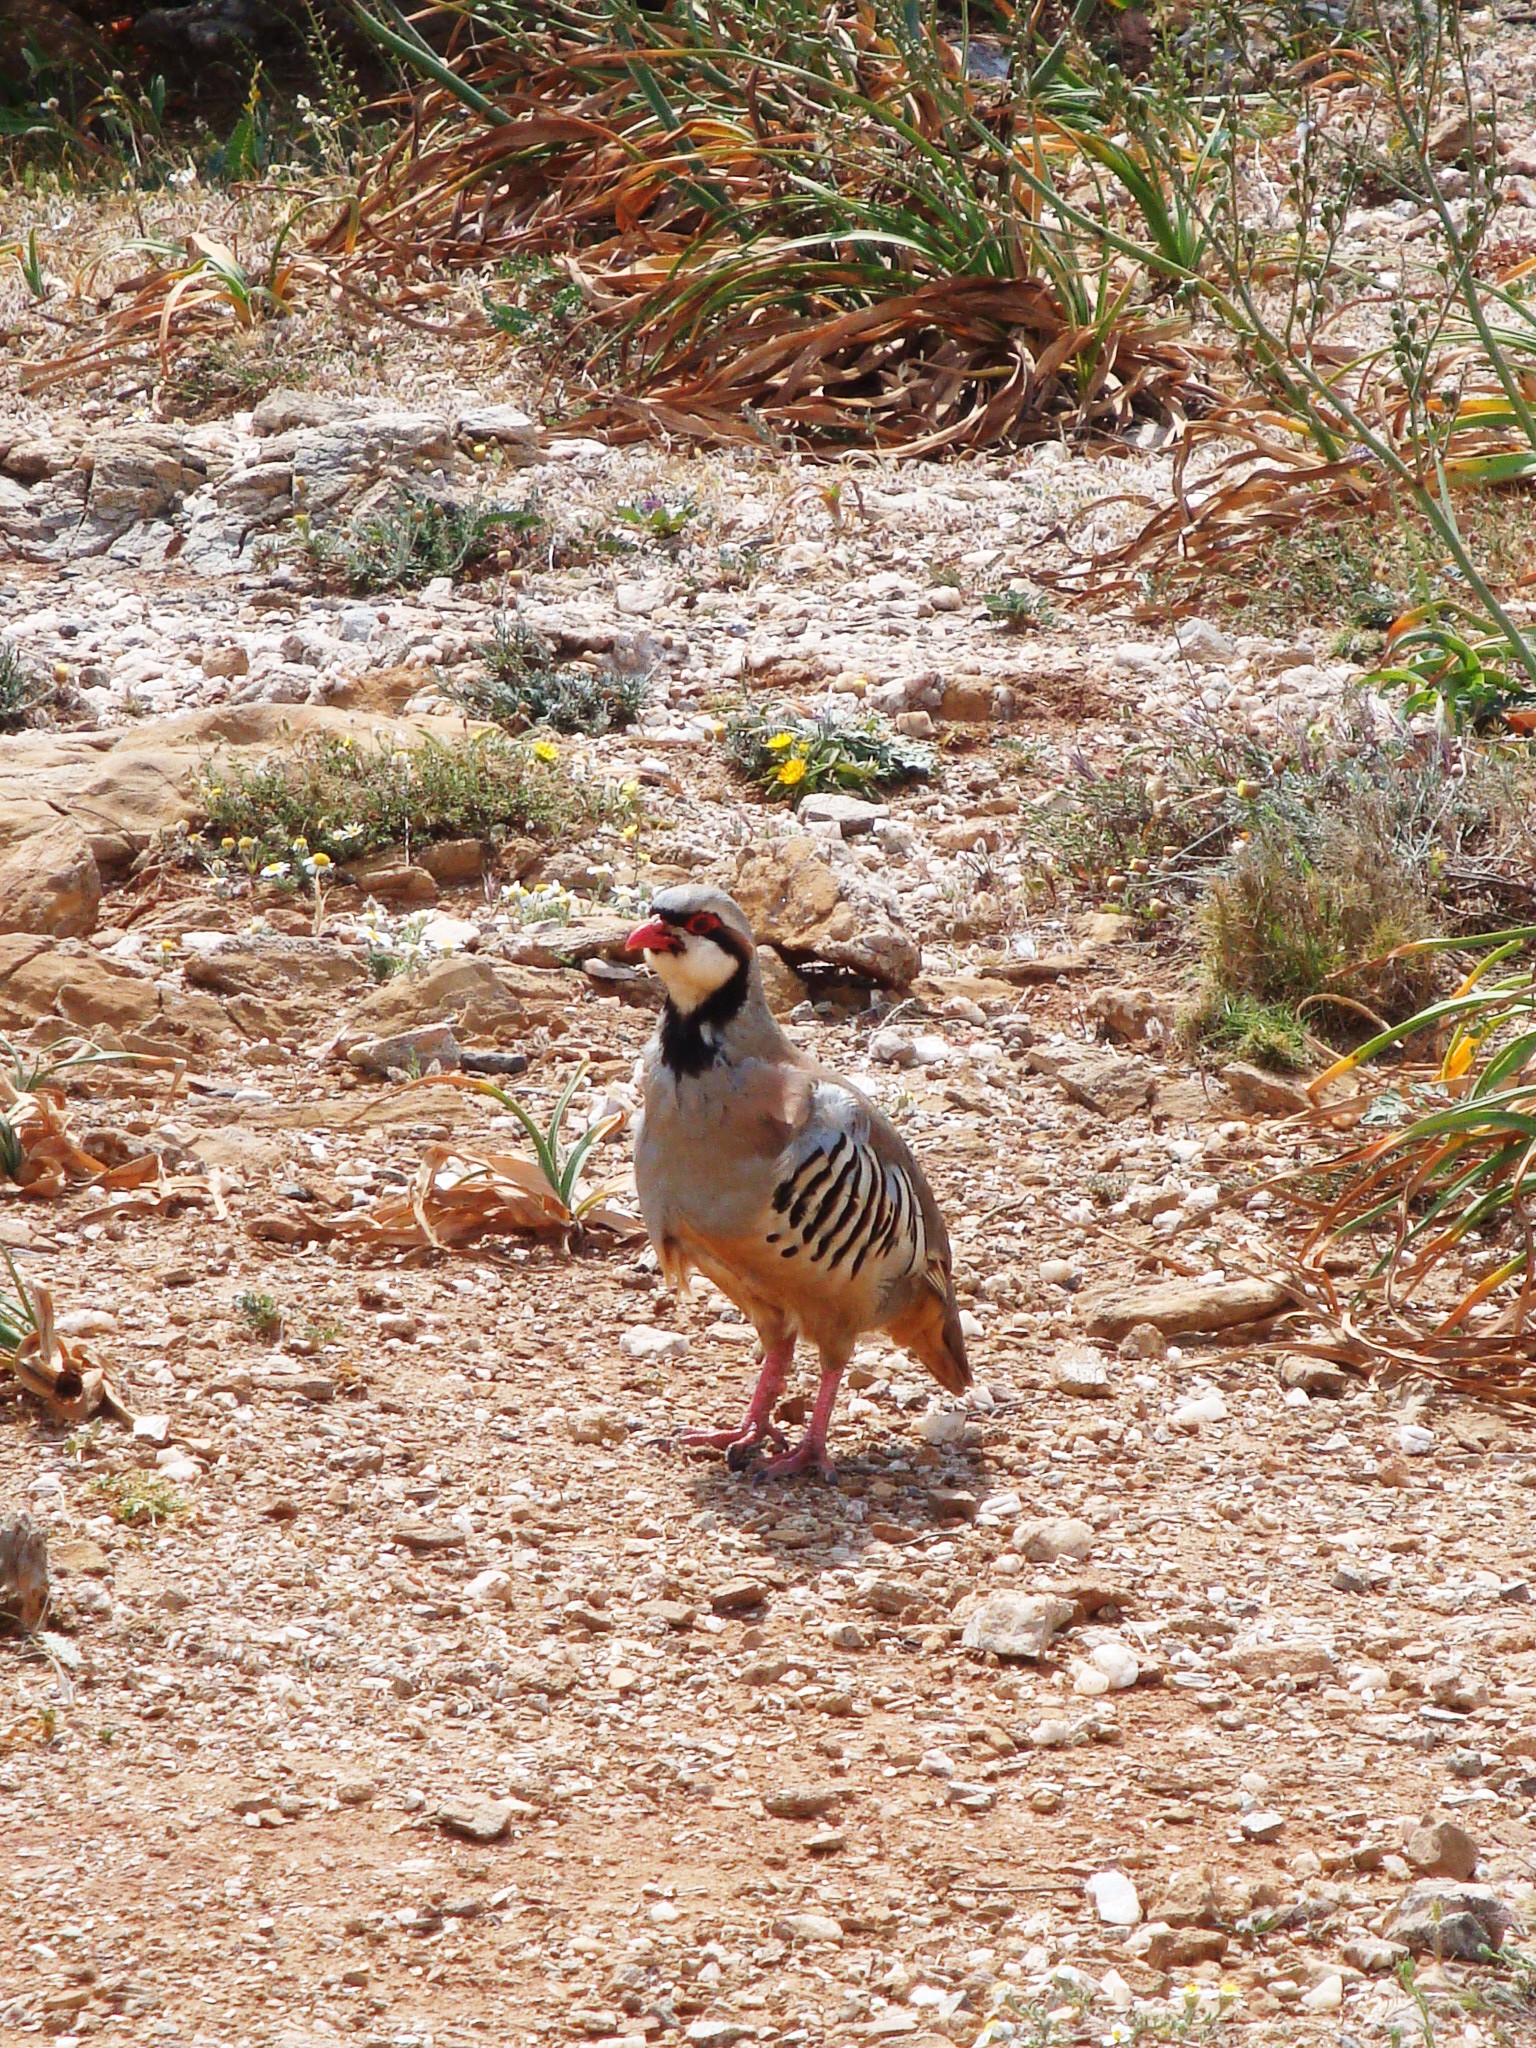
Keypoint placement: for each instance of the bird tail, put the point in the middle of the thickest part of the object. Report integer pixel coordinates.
(930, 1329)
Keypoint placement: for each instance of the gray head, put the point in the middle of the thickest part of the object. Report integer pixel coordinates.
(701, 945)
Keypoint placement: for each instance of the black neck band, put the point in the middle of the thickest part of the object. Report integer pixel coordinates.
(684, 1047)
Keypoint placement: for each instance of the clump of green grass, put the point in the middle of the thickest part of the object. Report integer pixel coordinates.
(413, 538)
(789, 756)
(1242, 1028)
(1020, 610)
(332, 799)
(260, 1312)
(523, 685)
(140, 1499)
(22, 694)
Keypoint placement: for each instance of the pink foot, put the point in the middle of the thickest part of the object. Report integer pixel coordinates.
(747, 1435)
(807, 1456)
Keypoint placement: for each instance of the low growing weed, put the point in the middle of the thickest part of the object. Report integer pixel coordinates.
(336, 799)
(523, 685)
(789, 756)
(414, 538)
(140, 1499)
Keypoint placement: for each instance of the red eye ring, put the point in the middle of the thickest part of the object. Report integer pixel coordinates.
(703, 924)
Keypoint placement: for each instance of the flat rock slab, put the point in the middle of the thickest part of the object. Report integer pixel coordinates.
(801, 1802)
(475, 1820)
(1185, 1307)
(1110, 1084)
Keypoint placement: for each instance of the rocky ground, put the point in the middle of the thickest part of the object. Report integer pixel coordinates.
(1171, 1684)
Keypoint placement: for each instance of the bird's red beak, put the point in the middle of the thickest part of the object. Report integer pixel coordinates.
(655, 937)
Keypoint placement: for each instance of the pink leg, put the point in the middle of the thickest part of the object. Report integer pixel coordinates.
(810, 1454)
(757, 1425)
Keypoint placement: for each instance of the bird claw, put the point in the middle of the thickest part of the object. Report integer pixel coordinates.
(738, 1443)
(805, 1457)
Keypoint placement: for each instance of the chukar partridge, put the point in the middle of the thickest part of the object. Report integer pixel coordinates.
(779, 1182)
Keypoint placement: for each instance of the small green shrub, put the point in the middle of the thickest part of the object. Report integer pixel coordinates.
(1288, 922)
(523, 686)
(656, 519)
(1020, 610)
(261, 1312)
(413, 538)
(140, 1499)
(788, 755)
(332, 799)
(22, 695)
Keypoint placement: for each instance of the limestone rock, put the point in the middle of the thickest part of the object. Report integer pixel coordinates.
(797, 903)
(475, 1820)
(1441, 1849)
(1258, 1093)
(38, 979)
(141, 472)
(1453, 1921)
(49, 882)
(1016, 1624)
(480, 1000)
(1184, 1307)
(1108, 1083)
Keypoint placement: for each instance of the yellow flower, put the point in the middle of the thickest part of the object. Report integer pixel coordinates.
(781, 740)
(301, 844)
(215, 789)
(545, 750)
(246, 844)
(226, 845)
(321, 860)
(791, 772)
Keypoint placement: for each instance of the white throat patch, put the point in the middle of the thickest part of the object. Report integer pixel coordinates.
(692, 976)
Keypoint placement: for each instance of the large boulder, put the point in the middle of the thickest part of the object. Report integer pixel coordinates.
(815, 917)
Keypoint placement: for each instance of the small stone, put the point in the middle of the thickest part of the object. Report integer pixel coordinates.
(595, 1426)
(1045, 1542)
(1289, 1657)
(852, 815)
(491, 1588)
(408, 1052)
(1441, 1849)
(476, 1820)
(356, 1791)
(1257, 1093)
(1262, 1825)
(644, 1343)
(809, 1927)
(1082, 1371)
(1198, 1413)
(1145, 1341)
(801, 1802)
(1415, 1441)
(1315, 1377)
(1113, 1898)
(1046, 1798)
(738, 1596)
(1326, 1995)
(1118, 1662)
(1372, 1956)
(426, 1539)
(716, 2033)
(1016, 1624)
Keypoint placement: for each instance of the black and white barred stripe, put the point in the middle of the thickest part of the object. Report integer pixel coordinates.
(843, 1206)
